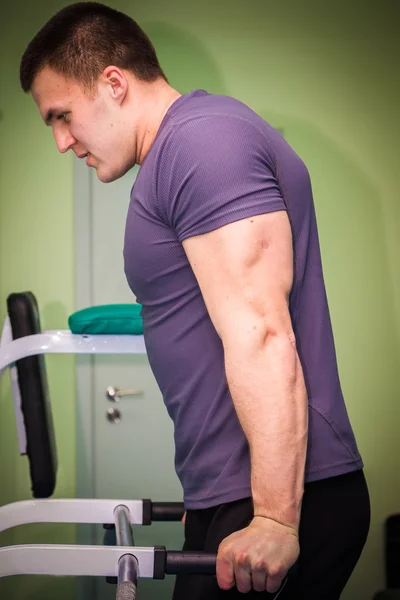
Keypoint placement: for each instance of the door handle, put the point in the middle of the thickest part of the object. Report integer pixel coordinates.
(114, 394)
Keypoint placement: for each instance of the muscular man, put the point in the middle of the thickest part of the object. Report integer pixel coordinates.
(222, 251)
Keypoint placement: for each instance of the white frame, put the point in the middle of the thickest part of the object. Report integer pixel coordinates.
(56, 342)
(57, 559)
(65, 342)
(62, 510)
(5, 339)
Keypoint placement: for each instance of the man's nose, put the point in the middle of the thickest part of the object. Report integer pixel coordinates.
(64, 140)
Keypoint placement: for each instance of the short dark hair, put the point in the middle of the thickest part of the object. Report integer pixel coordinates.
(82, 39)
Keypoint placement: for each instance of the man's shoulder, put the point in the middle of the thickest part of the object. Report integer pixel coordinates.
(209, 120)
(196, 110)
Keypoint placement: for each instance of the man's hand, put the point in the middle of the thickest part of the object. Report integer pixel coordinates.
(257, 557)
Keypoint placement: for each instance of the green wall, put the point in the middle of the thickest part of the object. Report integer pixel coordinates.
(324, 72)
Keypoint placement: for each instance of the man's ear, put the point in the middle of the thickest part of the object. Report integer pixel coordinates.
(116, 83)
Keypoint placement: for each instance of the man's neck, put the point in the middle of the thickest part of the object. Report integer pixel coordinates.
(155, 106)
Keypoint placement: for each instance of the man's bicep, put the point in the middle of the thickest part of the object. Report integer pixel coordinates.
(245, 272)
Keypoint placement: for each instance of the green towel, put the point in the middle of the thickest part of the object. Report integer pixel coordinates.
(110, 319)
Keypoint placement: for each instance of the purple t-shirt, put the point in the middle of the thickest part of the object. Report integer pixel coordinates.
(215, 161)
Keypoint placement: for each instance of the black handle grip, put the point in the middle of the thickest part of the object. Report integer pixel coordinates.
(167, 511)
(178, 563)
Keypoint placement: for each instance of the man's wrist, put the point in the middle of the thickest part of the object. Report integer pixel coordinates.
(289, 515)
(291, 527)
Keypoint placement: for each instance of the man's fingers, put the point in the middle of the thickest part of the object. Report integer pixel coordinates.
(225, 573)
(243, 576)
(274, 583)
(259, 579)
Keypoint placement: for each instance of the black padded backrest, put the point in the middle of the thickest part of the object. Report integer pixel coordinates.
(35, 403)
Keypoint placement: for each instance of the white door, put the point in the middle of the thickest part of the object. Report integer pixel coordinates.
(132, 457)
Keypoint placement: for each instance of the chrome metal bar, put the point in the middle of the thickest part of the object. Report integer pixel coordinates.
(126, 591)
(123, 529)
(128, 565)
(127, 568)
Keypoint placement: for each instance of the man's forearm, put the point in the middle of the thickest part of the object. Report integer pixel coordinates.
(269, 394)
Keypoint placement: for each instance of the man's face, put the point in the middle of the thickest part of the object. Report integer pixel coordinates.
(90, 126)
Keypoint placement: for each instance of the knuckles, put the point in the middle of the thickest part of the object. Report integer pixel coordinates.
(276, 571)
(238, 557)
(242, 558)
(260, 565)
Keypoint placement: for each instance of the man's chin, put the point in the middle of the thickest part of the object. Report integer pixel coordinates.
(109, 177)
(106, 177)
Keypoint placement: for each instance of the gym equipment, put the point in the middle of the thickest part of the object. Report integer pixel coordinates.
(392, 551)
(22, 346)
(392, 560)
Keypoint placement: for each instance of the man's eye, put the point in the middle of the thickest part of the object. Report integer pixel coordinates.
(62, 117)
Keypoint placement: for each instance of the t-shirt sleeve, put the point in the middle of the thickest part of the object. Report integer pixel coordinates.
(214, 170)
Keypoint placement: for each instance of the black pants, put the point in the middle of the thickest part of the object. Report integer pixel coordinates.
(334, 526)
